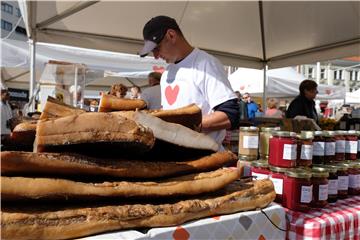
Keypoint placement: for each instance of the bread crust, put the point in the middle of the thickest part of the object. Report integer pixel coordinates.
(31, 223)
(109, 103)
(18, 188)
(60, 164)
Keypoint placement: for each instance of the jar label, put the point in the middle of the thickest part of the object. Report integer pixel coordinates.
(306, 152)
(351, 147)
(330, 148)
(343, 183)
(354, 180)
(306, 194)
(340, 146)
(289, 152)
(323, 192)
(333, 186)
(278, 185)
(318, 148)
(250, 142)
(260, 176)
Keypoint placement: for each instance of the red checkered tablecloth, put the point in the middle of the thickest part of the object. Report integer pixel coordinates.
(340, 220)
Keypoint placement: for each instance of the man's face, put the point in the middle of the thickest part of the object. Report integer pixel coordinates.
(5, 96)
(153, 81)
(246, 98)
(311, 94)
(165, 49)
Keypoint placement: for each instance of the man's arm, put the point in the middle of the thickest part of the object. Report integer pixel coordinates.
(225, 116)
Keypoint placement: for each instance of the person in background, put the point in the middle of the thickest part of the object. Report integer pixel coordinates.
(152, 94)
(6, 114)
(135, 92)
(252, 107)
(192, 76)
(272, 109)
(304, 104)
(118, 90)
(242, 107)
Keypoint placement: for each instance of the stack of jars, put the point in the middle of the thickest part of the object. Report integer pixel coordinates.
(311, 169)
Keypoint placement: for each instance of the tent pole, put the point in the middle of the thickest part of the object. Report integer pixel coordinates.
(264, 88)
(75, 93)
(32, 46)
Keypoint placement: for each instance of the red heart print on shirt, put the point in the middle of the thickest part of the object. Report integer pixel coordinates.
(171, 94)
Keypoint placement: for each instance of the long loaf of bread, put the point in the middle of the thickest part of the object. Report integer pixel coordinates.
(32, 223)
(60, 164)
(110, 103)
(13, 188)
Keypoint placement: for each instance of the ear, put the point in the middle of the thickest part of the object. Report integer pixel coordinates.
(172, 35)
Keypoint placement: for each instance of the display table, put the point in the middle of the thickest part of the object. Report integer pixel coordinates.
(244, 225)
(339, 220)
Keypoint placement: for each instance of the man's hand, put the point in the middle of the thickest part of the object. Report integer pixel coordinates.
(215, 121)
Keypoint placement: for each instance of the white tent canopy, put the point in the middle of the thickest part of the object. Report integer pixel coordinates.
(282, 82)
(240, 33)
(353, 97)
(16, 54)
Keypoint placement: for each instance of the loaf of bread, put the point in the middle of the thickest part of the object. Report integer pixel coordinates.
(18, 188)
(54, 108)
(28, 222)
(109, 103)
(61, 164)
(116, 133)
(23, 135)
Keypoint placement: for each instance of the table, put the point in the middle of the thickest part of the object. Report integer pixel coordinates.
(243, 225)
(338, 220)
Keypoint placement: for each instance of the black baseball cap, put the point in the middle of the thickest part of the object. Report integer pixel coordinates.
(154, 31)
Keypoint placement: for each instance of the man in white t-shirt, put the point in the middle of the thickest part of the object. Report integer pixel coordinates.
(152, 95)
(192, 76)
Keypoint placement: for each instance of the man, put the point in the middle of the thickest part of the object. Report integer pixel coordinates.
(243, 115)
(304, 104)
(6, 113)
(152, 94)
(192, 76)
(252, 107)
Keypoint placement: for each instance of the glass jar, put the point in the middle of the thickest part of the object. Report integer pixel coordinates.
(354, 178)
(320, 184)
(330, 144)
(277, 175)
(351, 142)
(265, 135)
(340, 146)
(282, 149)
(304, 149)
(333, 183)
(358, 151)
(248, 143)
(260, 169)
(318, 148)
(343, 180)
(298, 190)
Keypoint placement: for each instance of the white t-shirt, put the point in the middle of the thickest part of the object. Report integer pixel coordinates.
(152, 97)
(6, 114)
(199, 78)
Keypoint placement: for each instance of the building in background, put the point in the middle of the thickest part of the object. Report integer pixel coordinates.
(12, 24)
(341, 72)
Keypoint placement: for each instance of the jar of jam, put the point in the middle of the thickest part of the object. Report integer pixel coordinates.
(343, 180)
(351, 145)
(260, 169)
(304, 149)
(318, 148)
(330, 144)
(277, 175)
(320, 184)
(298, 190)
(358, 150)
(265, 135)
(354, 178)
(282, 149)
(248, 143)
(340, 146)
(333, 183)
